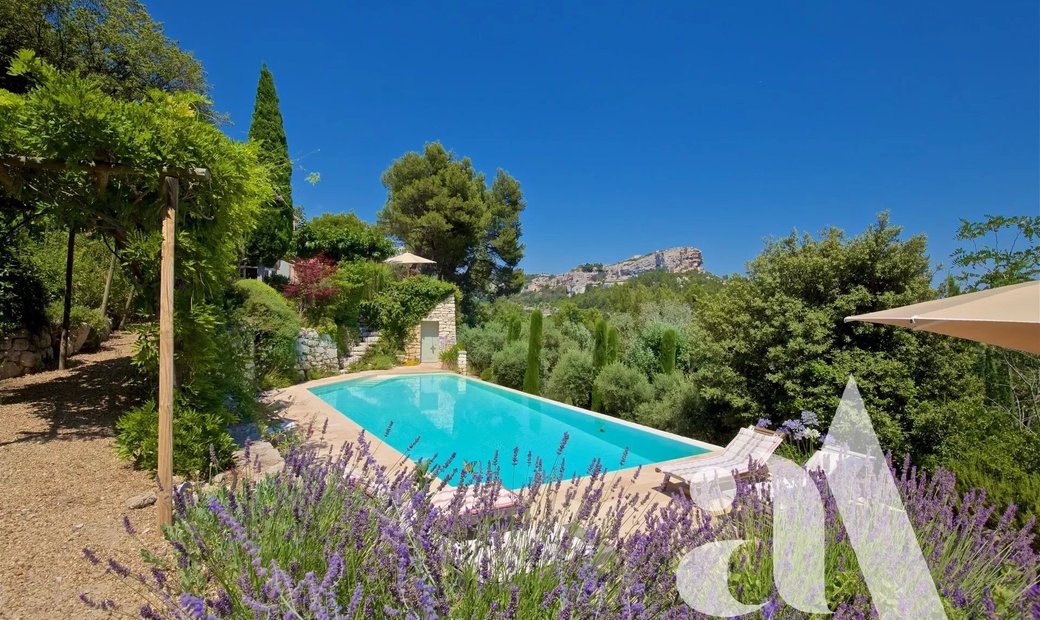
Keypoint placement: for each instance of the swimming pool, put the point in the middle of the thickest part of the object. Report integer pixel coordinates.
(449, 414)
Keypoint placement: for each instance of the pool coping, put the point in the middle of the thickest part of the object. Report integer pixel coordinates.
(298, 404)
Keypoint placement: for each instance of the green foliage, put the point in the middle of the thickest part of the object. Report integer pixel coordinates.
(382, 356)
(450, 355)
(515, 328)
(115, 41)
(613, 349)
(509, 365)
(993, 265)
(195, 433)
(90, 267)
(668, 345)
(481, 343)
(22, 295)
(273, 327)
(987, 449)
(341, 237)
(572, 378)
(533, 372)
(622, 390)
(272, 237)
(441, 208)
(775, 341)
(80, 315)
(402, 304)
(676, 407)
(648, 349)
(599, 347)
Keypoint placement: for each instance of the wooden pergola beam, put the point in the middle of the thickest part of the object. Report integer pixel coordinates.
(170, 190)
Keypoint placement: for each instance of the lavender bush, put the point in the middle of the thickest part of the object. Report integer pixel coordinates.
(338, 536)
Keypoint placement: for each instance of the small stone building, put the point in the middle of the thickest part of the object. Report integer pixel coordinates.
(436, 332)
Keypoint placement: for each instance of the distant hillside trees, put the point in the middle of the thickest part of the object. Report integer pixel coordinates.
(273, 234)
(441, 208)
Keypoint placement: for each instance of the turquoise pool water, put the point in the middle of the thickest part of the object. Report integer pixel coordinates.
(449, 413)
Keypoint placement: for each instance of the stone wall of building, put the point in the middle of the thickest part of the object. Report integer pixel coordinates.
(444, 313)
(316, 353)
(22, 352)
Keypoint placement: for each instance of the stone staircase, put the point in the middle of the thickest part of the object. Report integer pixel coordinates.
(367, 341)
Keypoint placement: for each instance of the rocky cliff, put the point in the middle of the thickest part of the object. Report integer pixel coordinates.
(675, 260)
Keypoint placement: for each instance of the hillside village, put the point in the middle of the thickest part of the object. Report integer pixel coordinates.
(681, 259)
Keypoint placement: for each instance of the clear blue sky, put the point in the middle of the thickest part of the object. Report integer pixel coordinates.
(633, 128)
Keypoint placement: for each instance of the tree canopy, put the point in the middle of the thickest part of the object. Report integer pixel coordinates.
(114, 40)
(440, 207)
(273, 235)
(341, 237)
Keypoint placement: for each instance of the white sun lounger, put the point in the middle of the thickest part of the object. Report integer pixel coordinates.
(750, 445)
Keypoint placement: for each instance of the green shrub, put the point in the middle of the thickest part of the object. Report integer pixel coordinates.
(510, 365)
(194, 433)
(646, 351)
(488, 375)
(612, 346)
(276, 281)
(515, 327)
(383, 355)
(599, 347)
(450, 355)
(622, 390)
(677, 407)
(571, 379)
(99, 324)
(481, 343)
(273, 326)
(22, 294)
(533, 372)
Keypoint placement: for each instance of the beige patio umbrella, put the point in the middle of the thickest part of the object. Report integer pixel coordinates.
(1008, 316)
(407, 258)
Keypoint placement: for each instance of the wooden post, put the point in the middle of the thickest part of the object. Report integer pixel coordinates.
(171, 188)
(66, 313)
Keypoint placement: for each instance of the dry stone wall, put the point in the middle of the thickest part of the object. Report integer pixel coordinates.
(316, 352)
(22, 352)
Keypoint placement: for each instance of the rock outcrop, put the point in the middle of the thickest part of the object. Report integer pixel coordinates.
(675, 260)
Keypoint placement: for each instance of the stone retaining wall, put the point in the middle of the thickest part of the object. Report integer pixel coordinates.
(316, 352)
(22, 352)
(444, 314)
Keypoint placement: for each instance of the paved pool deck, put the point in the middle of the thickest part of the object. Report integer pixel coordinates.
(298, 404)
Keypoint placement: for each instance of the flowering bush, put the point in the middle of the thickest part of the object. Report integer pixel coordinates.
(802, 435)
(313, 287)
(340, 536)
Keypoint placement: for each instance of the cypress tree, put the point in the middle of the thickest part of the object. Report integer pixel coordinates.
(599, 348)
(599, 358)
(273, 234)
(514, 330)
(668, 345)
(533, 374)
(612, 344)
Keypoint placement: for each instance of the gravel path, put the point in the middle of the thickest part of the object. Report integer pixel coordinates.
(63, 488)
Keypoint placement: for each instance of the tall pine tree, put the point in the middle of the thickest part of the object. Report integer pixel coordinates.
(273, 234)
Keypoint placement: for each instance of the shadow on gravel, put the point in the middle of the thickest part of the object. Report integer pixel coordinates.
(83, 402)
